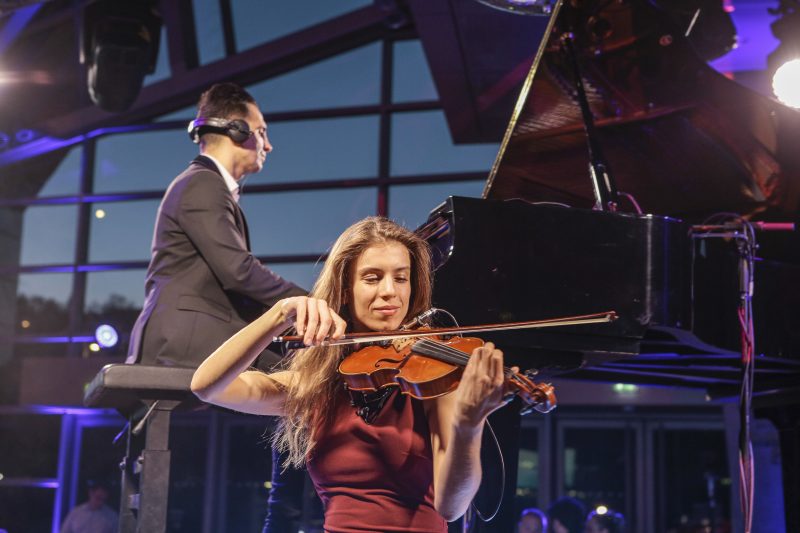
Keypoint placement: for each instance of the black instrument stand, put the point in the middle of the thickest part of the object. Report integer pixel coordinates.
(605, 190)
(131, 389)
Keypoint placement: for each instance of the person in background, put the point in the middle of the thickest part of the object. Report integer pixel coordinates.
(566, 515)
(608, 522)
(93, 516)
(532, 520)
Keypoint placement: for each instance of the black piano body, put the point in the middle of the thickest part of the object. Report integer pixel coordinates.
(684, 142)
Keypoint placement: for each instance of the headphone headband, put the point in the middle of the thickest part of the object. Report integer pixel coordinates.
(238, 130)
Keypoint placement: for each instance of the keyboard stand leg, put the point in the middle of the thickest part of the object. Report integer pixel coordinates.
(145, 510)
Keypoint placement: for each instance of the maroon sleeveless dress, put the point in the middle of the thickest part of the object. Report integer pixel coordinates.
(379, 476)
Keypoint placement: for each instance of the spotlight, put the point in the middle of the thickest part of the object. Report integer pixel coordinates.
(119, 47)
(783, 62)
(94, 347)
(106, 336)
(786, 83)
(601, 509)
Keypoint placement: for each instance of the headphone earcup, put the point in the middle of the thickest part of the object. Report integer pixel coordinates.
(238, 131)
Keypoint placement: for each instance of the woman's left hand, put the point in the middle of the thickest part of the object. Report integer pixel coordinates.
(482, 388)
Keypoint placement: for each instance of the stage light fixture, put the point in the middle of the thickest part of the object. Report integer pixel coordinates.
(106, 336)
(786, 83)
(119, 47)
(784, 62)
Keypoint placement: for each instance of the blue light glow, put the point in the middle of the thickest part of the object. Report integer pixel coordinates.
(106, 336)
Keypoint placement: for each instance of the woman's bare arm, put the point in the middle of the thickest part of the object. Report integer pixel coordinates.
(224, 379)
(456, 423)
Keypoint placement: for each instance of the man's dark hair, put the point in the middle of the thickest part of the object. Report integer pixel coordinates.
(224, 100)
(98, 483)
(570, 512)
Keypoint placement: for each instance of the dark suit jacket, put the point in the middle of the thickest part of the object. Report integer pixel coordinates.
(203, 284)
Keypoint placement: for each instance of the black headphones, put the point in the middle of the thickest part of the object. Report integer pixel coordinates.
(238, 130)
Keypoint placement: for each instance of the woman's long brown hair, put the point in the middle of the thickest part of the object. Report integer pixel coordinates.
(311, 397)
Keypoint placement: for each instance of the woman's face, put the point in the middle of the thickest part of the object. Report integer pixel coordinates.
(381, 287)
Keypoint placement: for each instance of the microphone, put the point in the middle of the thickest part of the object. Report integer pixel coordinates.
(421, 318)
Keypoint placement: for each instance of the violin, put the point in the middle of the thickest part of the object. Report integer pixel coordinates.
(428, 363)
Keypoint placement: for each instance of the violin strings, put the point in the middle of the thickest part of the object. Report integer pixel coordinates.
(446, 353)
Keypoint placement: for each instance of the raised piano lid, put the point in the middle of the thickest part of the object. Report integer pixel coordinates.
(681, 138)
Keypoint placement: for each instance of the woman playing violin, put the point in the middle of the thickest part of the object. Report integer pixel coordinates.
(416, 463)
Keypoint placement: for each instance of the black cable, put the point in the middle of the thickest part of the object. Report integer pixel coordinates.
(502, 479)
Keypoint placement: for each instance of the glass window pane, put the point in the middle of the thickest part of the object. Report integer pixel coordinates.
(115, 288)
(141, 161)
(597, 464)
(249, 464)
(421, 144)
(304, 222)
(256, 21)
(186, 114)
(162, 70)
(42, 301)
(48, 234)
(528, 469)
(301, 274)
(350, 79)
(98, 458)
(187, 475)
(693, 461)
(29, 446)
(122, 231)
(411, 76)
(410, 205)
(66, 179)
(27, 508)
(322, 149)
(114, 297)
(208, 25)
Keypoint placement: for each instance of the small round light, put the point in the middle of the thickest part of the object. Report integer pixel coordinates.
(100, 213)
(25, 324)
(601, 509)
(94, 347)
(786, 83)
(106, 336)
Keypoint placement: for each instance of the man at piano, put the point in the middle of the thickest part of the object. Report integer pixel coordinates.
(203, 284)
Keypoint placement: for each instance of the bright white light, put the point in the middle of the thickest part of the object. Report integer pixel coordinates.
(601, 509)
(94, 347)
(786, 83)
(100, 213)
(106, 336)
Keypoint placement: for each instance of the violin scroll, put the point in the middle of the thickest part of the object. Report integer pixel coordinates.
(540, 397)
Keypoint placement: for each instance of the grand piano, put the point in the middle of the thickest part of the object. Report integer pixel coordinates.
(682, 143)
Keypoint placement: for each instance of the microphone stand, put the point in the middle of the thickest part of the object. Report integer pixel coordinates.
(605, 190)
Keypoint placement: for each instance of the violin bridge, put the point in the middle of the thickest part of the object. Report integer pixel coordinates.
(401, 343)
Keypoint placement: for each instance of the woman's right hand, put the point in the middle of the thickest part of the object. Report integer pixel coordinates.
(312, 318)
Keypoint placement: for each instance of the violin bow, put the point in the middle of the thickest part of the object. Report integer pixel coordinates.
(293, 342)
